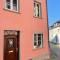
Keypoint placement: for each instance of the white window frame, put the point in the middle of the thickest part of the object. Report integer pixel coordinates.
(11, 4)
(35, 9)
(41, 46)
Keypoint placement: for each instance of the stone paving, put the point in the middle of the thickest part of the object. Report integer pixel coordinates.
(54, 51)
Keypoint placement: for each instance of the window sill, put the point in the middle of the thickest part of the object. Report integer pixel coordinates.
(10, 10)
(37, 17)
(37, 48)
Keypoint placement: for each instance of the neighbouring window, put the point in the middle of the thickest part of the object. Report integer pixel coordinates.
(38, 40)
(37, 9)
(11, 5)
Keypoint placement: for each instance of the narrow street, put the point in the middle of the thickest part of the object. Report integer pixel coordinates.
(55, 51)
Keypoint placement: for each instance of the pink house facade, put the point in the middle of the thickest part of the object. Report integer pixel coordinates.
(23, 30)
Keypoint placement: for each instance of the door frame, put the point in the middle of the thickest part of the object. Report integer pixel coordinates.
(18, 39)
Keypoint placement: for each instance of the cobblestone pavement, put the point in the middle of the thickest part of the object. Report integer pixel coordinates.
(55, 51)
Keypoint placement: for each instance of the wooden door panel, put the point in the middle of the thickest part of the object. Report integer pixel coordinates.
(11, 56)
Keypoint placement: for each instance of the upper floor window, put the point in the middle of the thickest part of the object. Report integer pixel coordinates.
(37, 9)
(38, 40)
(11, 5)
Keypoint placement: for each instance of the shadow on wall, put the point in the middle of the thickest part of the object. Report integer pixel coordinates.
(55, 40)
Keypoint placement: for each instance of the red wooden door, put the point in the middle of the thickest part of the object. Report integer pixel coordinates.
(11, 47)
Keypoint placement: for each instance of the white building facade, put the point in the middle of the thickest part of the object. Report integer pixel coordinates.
(54, 33)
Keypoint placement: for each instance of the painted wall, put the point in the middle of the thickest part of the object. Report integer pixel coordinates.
(27, 24)
(54, 35)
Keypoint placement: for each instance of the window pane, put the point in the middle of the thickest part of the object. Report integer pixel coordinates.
(37, 9)
(35, 37)
(35, 43)
(39, 43)
(8, 4)
(39, 38)
(39, 34)
(15, 4)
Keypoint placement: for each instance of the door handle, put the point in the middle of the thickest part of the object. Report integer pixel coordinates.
(11, 51)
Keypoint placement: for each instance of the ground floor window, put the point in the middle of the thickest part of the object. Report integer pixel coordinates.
(38, 40)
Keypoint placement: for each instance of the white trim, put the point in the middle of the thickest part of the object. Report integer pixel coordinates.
(17, 5)
(11, 3)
